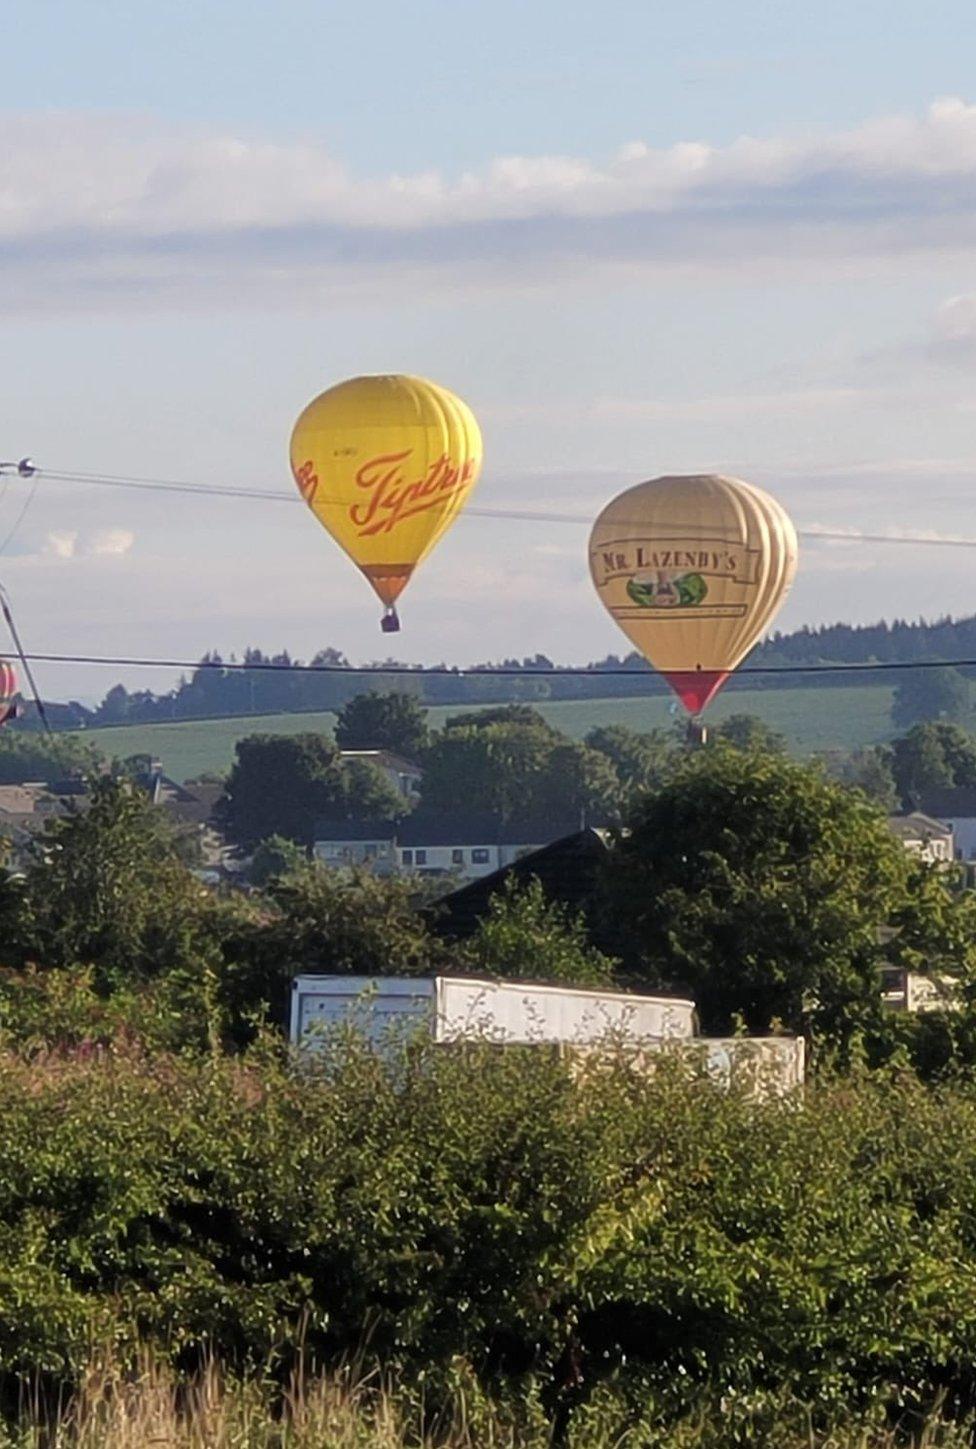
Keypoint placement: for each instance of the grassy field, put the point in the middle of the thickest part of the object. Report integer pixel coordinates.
(810, 719)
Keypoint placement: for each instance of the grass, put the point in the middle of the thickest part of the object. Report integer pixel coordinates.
(151, 1406)
(810, 719)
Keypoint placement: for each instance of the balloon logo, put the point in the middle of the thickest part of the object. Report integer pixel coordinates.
(693, 570)
(386, 464)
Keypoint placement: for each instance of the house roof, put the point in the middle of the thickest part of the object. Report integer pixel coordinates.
(566, 869)
(949, 803)
(427, 829)
(355, 830)
(916, 825)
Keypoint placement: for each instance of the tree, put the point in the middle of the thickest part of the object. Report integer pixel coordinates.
(772, 894)
(747, 732)
(930, 694)
(870, 769)
(274, 857)
(526, 935)
(107, 888)
(517, 772)
(375, 721)
(502, 714)
(642, 761)
(932, 756)
(280, 784)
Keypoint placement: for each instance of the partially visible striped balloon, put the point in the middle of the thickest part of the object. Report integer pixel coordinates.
(8, 691)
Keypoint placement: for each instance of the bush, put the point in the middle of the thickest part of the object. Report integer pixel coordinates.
(613, 1244)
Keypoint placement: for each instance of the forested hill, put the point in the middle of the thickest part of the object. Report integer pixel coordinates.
(282, 688)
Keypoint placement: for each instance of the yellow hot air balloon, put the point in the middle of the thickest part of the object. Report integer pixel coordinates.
(693, 570)
(386, 464)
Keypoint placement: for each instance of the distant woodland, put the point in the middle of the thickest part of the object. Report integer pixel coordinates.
(280, 683)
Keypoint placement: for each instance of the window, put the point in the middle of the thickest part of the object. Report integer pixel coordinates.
(479, 856)
(370, 851)
(407, 857)
(457, 857)
(420, 856)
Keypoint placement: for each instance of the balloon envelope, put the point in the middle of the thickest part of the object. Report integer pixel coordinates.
(693, 569)
(8, 691)
(386, 464)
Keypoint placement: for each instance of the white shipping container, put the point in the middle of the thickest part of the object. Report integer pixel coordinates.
(457, 1008)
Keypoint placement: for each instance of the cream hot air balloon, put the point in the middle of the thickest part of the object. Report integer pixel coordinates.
(693, 569)
(386, 464)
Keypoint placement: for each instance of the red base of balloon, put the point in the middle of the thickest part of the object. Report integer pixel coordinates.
(697, 687)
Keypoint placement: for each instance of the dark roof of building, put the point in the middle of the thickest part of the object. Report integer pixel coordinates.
(949, 803)
(352, 830)
(425, 828)
(566, 870)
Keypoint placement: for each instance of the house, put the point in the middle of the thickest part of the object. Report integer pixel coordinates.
(468, 846)
(402, 774)
(924, 836)
(955, 806)
(370, 843)
(462, 847)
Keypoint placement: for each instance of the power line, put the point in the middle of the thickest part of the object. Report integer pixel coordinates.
(268, 495)
(450, 671)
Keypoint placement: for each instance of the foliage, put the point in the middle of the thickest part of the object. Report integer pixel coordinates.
(502, 714)
(870, 769)
(643, 761)
(28, 756)
(106, 887)
(525, 935)
(931, 756)
(280, 785)
(776, 896)
(930, 694)
(747, 732)
(389, 721)
(613, 1249)
(276, 856)
(518, 772)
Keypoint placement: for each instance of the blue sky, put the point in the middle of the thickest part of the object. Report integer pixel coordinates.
(635, 238)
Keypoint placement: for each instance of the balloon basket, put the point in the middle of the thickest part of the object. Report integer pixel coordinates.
(390, 622)
(696, 735)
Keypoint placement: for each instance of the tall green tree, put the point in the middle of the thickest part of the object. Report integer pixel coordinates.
(643, 761)
(107, 888)
(280, 785)
(931, 694)
(748, 732)
(774, 895)
(931, 756)
(518, 772)
(383, 721)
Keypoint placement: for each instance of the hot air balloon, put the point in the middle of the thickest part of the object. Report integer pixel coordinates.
(386, 464)
(8, 691)
(693, 570)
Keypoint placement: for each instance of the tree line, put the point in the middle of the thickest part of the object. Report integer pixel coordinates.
(279, 683)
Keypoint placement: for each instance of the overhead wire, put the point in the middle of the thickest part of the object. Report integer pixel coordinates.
(481, 671)
(812, 532)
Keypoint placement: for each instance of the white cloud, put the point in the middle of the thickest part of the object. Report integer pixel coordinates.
(110, 208)
(60, 545)
(111, 541)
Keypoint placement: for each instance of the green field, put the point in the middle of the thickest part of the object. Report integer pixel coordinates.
(810, 719)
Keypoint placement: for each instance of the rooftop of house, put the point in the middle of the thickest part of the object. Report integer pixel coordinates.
(427, 830)
(916, 825)
(949, 803)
